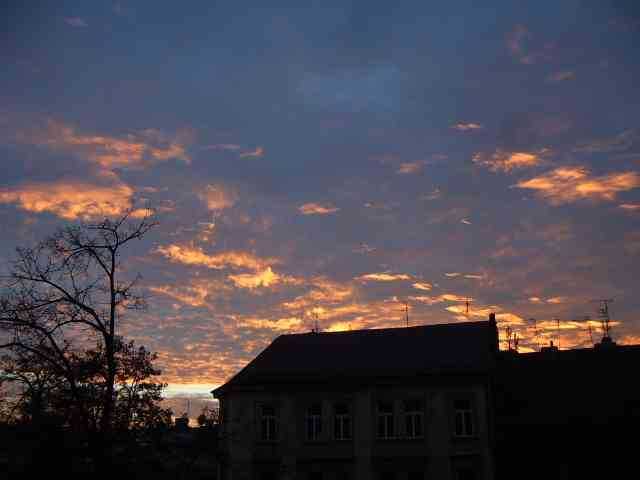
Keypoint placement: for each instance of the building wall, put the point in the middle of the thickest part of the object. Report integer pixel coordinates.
(436, 455)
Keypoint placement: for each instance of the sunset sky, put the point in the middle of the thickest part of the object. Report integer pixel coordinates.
(331, 160)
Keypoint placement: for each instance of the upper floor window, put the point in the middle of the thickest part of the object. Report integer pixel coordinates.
(385, 419)
(463, 412)
(268, 425)
(413, 417)
(314, 421)
(342, 422)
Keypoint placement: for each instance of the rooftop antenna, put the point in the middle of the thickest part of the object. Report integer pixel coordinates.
(603, 313)
(316, 327)
(466, 308)
(536, 339)
(558, 331)
(406, 312)
(590, 332)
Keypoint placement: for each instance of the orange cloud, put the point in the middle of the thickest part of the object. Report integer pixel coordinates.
(466, 127)
(383, 277)
(286, 324)
(258, 152)
(72, 199)
(263, 278)
(230, 259)
(194, 295)
(445, 297)
(630, 207)
(506, 161)
(410, 167)
(422, 286)
(137, 150)
(571, 184)
(317, 209)
(218, 197)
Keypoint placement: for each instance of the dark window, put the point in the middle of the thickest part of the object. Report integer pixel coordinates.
(314, 421)
(416, 476)
(385, 420)
(268, 429)
(465, 473)
(387, 476)
(342, 422)
(463, 412)
(315, 476)
(413, 417)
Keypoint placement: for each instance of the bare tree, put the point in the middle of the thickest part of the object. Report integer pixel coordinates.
(68, 290)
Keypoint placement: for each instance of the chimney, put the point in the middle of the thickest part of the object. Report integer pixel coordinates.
(494, 342)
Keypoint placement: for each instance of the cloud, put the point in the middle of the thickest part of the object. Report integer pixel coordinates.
(194, 295)
(72, 199)
(218, 197)
(571, 184)
(257, 153)
(466, 221)
(630, 207)
(132, 151)
(467, 127)
(422, 286)
(561, 76)
(317, 209)
(516, 40)
(519, 42)
(188, 255)
(383, 277)
(76, 22)
(452, 274)
(286, 324)
(619, 143)
(263, 278)
(411, 167)
(223, 146)
(445, 297)
(507, 161)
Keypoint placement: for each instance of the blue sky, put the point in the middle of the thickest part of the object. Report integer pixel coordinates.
(334, 159)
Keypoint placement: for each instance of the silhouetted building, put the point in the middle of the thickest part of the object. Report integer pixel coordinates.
(564, 414)
(436, 401)
(402, 403)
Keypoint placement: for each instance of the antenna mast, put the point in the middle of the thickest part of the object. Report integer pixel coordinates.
(406, 312)
(603, 313)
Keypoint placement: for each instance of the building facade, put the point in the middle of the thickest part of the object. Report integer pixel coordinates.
(402, 404)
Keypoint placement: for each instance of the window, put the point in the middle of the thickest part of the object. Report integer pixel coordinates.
(465, 473)
(413, 418)
(314, 421)
(342, 422)
(463, 412)
(315, 476)
(385, 420)
(267, 423)
(415, 476)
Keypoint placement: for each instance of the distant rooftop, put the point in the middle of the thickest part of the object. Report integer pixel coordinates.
(388, 352)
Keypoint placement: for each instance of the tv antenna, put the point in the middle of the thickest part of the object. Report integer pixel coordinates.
(536, 339)
(603, 313)
(512, 339)
(316, 324)
(558, 330)
(467, 304)
(406, 312)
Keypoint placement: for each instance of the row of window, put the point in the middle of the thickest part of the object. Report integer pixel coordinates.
(386, 421)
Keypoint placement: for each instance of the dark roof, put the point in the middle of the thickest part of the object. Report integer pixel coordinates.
(431, 349)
